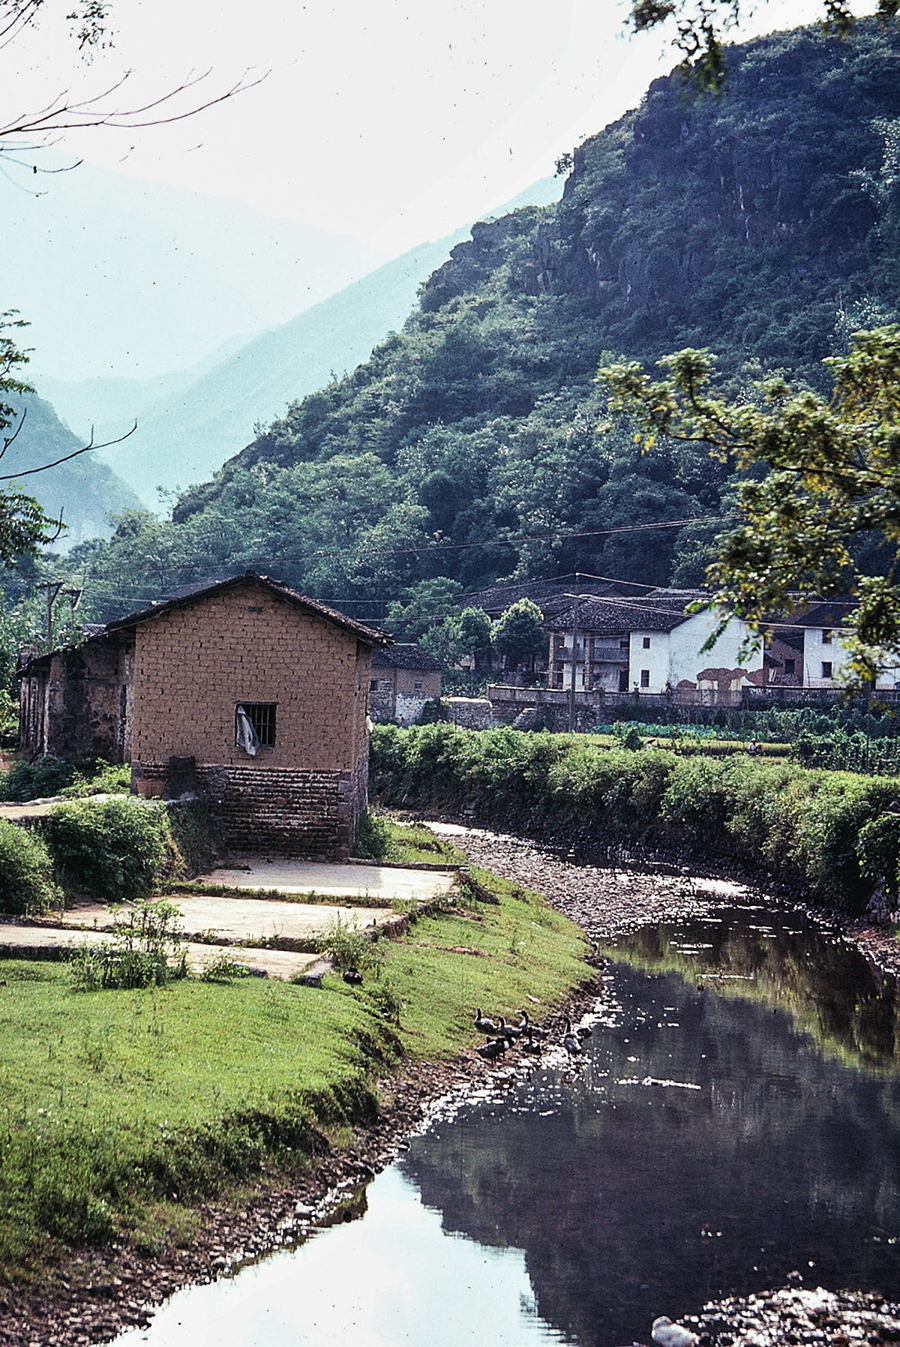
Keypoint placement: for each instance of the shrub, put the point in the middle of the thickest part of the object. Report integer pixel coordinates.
(26, 872)
(115, 848)
(146, 951)
(36, 780)
(348, 948)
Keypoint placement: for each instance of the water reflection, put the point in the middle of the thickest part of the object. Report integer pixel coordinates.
(392, 1278)
(708, 1146)
(714, 1141)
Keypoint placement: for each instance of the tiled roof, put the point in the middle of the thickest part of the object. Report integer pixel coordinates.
(660, 610)
(404, 655)
(369, 635)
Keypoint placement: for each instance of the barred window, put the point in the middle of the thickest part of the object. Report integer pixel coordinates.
(262, 717)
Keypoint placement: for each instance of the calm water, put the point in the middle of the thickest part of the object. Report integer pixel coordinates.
(737, 1119)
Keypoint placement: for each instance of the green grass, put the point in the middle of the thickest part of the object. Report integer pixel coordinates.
(119, 1110)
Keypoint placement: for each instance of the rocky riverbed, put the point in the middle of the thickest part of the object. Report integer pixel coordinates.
(101, 1292)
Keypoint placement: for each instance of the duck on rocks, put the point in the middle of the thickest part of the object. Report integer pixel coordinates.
(492, 1048)
(665, 1333)
(571, 1042)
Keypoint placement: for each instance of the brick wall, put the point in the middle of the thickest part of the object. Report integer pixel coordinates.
(280, 811)
(194, 664)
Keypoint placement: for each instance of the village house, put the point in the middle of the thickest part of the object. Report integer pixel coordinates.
(244, 691)
(404, 678)
(649, 645)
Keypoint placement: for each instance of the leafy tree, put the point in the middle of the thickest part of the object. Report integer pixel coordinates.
(475, 631)
(424, 607)
(820, 474)
(519, 634)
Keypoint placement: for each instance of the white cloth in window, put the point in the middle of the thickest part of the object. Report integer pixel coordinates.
(247, 738)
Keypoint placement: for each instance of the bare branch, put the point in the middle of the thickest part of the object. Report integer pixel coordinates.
(85, 449)
(9, 439)
(62, 115)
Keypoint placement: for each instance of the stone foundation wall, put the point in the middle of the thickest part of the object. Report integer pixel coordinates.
(288, 811)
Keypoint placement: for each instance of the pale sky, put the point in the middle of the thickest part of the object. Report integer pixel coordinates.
(390, 120)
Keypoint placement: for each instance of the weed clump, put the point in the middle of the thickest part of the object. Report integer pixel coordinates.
(117, 848)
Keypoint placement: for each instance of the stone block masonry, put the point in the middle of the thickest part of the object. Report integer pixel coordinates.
(290, 812)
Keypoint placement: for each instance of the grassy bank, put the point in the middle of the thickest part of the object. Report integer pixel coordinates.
(122, 1109)
(832, 834)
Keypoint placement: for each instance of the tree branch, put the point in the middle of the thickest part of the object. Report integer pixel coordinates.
(85, 449)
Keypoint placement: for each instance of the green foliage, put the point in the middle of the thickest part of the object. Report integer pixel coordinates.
(115, 848)
(374, 840)
(519, 634)
(802, 826)
(223, 967)
(34, 780)
(146, 951)
(41, 777)
(26, 872)
(830, 473)
(351, 948)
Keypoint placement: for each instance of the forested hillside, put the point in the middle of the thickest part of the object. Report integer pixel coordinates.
(475, 444)
(84, 492)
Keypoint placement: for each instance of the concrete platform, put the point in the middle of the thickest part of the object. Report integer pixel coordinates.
(224, 919)
(25, 942)
(238, 918)
(382, 882)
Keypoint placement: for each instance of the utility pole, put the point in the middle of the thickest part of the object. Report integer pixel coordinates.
(54, 588)
(576, 614)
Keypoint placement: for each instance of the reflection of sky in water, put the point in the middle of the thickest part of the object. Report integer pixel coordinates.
(393, 1278)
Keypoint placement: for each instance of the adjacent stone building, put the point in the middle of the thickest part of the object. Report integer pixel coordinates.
(246, 691)
(404, 678)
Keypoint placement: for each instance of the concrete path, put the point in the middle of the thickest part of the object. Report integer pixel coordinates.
(223, 919)
(238, 918)
(24, 942)
(382, 882)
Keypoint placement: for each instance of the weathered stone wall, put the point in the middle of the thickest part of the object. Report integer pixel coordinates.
(76, 703)
(471, 713)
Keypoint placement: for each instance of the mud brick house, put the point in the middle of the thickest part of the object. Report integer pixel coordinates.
(404, 678)
(244, 690)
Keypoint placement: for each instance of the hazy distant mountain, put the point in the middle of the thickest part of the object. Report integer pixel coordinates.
(187, 436)
(82, 492)
(119, 277)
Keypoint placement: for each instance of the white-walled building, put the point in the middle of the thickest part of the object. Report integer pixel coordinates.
(651, 644)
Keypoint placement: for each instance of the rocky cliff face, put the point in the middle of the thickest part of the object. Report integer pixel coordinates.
(718, 221)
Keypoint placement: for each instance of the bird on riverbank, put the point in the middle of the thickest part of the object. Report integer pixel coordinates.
(529, 1045)
(509, 1031)
(571, 1042)
(485, 1026)
(492, 1048)
(665, 1333)
(534, 1030)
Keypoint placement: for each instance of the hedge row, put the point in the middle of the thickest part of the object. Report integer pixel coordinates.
(833, 834)
(116, 849)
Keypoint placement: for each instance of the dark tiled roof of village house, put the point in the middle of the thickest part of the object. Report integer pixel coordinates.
(660, 610)
(404, 655)
(368, 635)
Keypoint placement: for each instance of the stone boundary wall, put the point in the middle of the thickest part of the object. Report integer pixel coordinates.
(288, 811)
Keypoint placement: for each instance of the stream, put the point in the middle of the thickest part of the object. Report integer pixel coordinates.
(734, 1125)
